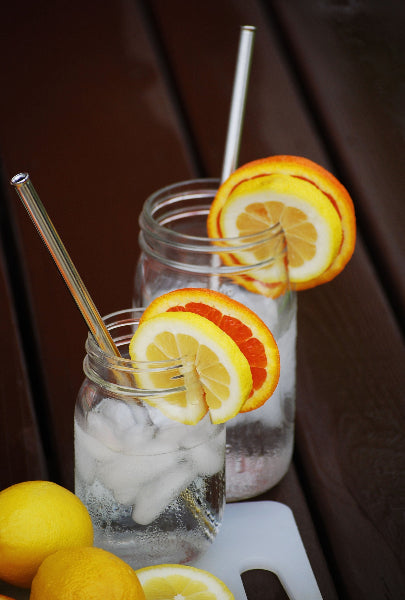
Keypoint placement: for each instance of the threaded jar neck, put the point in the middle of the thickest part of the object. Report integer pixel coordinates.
(173, 232)
(120, 375)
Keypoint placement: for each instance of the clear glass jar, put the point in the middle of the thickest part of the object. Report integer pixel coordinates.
(154, 488)
(176, 253)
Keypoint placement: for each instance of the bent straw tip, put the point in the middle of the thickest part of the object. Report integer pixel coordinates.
(19, 179)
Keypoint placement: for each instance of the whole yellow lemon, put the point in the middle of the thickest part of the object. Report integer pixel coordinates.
(36, 519)
(85, 573)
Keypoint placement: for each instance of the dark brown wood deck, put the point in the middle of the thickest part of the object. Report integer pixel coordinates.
(105, 102)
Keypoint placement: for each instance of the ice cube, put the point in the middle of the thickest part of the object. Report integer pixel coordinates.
(88, 451)
(156, 495)
(209, 458)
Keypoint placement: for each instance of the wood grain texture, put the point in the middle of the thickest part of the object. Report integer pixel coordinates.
(21, 450)
(351, 57)
(89, 117)
(351, 429)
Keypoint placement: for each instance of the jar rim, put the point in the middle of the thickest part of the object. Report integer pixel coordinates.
(194, 189)
(122, 324)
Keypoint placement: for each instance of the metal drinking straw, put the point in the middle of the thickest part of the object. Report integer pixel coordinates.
(49, 235)
(47, 231)
(238, 102)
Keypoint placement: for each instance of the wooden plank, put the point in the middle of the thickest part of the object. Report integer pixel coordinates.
(289, 491)
(21, 455)
(21, 451)
(351, 429)
(352, 61)
(202, 57)
(89, 117)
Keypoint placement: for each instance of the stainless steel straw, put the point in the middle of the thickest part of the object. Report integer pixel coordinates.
(47, 231)
(49, 235)
(238, 102)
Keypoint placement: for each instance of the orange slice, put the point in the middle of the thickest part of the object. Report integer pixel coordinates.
(221, 368)
(327, 190)
(248, 331)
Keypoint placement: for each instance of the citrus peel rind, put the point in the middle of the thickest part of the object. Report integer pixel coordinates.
(36, 519)
(181, 581)
(302, 169)
(221, 367)
(88, 573)
(249, 332)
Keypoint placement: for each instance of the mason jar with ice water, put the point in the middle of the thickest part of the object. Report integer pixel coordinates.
(177, 253)
(154, 487)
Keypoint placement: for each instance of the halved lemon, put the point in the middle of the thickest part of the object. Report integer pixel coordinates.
(221, 367)
(316, 190)
(249, 332)
(175, 582)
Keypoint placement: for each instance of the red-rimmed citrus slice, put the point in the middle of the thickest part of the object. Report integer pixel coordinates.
(248, 331)
(253, 181)
(221, 367)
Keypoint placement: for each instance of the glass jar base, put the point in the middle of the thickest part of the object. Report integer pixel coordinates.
(250, 476)
(140, 551)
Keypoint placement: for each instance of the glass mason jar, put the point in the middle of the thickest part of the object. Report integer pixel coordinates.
(176, 253)
(154, 488)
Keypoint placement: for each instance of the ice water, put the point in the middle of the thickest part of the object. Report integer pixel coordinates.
(154, 487)
(151, 490)
(176, 253)
(260, 443)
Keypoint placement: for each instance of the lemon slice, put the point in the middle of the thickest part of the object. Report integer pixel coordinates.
(250, 333)
(221, 367)
(311, 224)
(302, 170)
(181, 582)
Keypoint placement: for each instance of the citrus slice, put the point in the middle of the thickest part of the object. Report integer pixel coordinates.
(173, 582)
(326, 190)
(249, 332)
(221, 367)
(310, 222)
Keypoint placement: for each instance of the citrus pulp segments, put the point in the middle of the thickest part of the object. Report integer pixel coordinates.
(181, 581)
(222, 369)
(248, 331)
(311, 224)
(310, 171)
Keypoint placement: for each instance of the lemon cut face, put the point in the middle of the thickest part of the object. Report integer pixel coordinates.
(310, 222)
(323, 189)
(221, 368)
(249, 332)
(181, 582)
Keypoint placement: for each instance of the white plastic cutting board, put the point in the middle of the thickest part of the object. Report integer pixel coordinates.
(261, 535)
